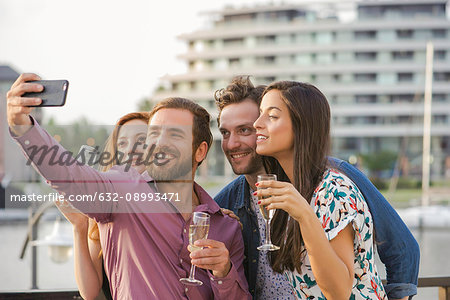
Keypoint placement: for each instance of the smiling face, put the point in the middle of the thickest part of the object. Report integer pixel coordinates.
(274, 133)
(239, 136)
(170, 137)
(131, 140)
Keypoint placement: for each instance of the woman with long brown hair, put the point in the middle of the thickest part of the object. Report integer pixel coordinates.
(128, 139)
(322, 224)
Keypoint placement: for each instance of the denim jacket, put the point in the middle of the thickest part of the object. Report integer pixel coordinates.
(396, 246)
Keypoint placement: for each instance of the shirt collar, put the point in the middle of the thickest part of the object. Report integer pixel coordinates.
(207, 204)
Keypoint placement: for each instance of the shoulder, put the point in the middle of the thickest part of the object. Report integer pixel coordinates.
(337, 202)
(337, 192)
(229, 190)
(226, 229)
(335, 186)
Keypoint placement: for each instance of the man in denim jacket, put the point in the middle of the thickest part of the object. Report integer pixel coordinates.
(238, 108)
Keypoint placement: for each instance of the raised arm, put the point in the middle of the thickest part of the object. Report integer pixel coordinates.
(49, 158)
(18, 107)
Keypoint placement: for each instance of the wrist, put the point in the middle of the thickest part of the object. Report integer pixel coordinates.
(21, 126)
(80, 229)
(224, 272)
(306, 215)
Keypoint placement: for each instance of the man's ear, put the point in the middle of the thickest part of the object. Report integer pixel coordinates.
(200, 153)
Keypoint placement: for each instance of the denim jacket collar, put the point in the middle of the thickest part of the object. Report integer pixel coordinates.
(242, 191)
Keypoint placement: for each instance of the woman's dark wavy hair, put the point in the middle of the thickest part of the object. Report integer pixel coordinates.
(310, 116)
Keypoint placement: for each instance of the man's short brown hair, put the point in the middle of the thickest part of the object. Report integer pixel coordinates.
(239, 89)
(200, 128)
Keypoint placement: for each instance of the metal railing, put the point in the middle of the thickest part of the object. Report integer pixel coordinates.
(442, 283)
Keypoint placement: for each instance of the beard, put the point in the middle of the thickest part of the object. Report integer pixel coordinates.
(254, 165)
(182, 169)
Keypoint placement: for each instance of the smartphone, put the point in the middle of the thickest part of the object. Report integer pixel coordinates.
(54, 93)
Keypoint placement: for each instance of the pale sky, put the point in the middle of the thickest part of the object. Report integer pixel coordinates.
(112, 52)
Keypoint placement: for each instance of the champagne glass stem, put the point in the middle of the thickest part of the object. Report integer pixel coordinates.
(268, 240)
(192, 272)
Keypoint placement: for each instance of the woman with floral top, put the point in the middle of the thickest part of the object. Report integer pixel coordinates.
(322, 223)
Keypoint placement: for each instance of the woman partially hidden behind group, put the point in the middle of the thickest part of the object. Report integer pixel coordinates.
(128, 137)
(322, 223)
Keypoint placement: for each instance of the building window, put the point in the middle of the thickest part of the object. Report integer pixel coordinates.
(439, 97)
(234, 62)
(337, 77)
(404, 77)
(265, 39)
(365, 98)
(365, 35)
(191, 65)
(439, 54)
(365, 77)
(442, 76)
(324, 37)
(404, 34)
(440, 119)
(234, 42)
(365, 56)
(402, 98)
(350, 144)
(439, 33)
(404, 119)
(266, 80)
(265, 60)
(402, 55)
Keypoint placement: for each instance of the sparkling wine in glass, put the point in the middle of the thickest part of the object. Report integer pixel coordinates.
(198, 229)
(268, 215)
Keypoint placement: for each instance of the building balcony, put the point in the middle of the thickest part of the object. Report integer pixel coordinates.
(289, 70)
(304, 48)
(392, 130)
(328, 89)
(301, 26)
(382, 109)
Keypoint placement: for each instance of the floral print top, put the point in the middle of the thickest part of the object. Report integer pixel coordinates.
(338, 202)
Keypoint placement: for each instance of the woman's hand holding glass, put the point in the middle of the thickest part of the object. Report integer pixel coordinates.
(282, 195)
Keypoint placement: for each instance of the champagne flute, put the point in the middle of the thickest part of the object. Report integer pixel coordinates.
(268, 215)
(198, 229)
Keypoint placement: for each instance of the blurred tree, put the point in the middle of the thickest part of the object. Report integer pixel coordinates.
(79, 132)
(146, 104)
(379, 161)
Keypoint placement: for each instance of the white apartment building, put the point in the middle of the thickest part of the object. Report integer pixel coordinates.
(370, 65)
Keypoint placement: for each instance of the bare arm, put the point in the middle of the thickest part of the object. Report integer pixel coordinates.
(87, 262)
(331, 261)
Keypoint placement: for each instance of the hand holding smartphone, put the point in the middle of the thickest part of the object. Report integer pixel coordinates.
(54, 93)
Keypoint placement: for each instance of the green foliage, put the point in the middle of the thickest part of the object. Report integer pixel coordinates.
(146, 104)
(408, 183)
(76, 134)
(379, 161)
